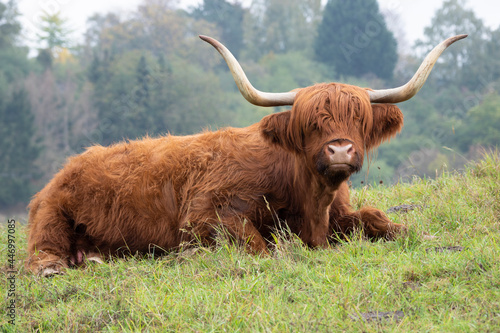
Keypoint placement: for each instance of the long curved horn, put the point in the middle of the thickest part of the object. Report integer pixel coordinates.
(251, 94)
(394, 95)
(407, 91)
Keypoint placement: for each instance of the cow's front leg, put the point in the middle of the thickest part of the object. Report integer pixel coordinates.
(315, 230)
(373, 222)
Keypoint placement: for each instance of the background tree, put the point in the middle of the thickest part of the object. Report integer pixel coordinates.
(353, 38)
(9, 26)
(18, 147)
(483, 124)
(54, 34)
(453, 18)
(469, 71)
(437, 118)
(13, 62)
(483, 66)
(281, 26)
(228, 17)
(143, 95)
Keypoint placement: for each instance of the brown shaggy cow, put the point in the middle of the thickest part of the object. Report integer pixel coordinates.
(291, 166)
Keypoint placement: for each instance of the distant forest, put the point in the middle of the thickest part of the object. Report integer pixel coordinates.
(146, 72)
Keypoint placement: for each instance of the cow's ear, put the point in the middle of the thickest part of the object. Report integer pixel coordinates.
(275, 128)
(387, 122)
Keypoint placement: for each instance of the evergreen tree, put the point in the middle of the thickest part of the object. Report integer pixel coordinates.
(44, 58)
(17, 150)
(354, 39)
(54, 31)
(143, 115)
(142, 93)
(9, 26)
(13, 59)
(55, 36)
(93, 71)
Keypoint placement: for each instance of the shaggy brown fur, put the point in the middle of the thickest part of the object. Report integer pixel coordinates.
(161, 192)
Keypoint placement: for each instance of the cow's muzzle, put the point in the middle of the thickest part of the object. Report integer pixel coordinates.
(340, 153)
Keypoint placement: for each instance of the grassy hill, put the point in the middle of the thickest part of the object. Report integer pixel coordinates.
(449, 283)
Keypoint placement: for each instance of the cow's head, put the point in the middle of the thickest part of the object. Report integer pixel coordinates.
(332, 124)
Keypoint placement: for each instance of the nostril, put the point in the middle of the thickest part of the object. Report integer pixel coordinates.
(350, 150)
(331, 149)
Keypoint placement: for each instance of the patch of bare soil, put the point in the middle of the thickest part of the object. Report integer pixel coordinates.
(379, 316)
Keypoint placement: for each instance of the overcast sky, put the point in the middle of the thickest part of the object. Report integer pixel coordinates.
(415, 14)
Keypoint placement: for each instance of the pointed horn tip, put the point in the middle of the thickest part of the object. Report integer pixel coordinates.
(212, 41)
(204, 38)
(453, 39)
(209, 40)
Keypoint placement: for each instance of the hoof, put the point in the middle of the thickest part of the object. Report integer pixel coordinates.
(95, 259)
(51, 271)
(46, 264)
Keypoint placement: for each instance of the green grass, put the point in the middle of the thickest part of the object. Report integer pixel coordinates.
(297, 289)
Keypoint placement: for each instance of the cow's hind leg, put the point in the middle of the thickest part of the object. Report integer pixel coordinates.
(238, 227)
(50, 239)
(245, 233)
(83, 250)
(373, 222)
